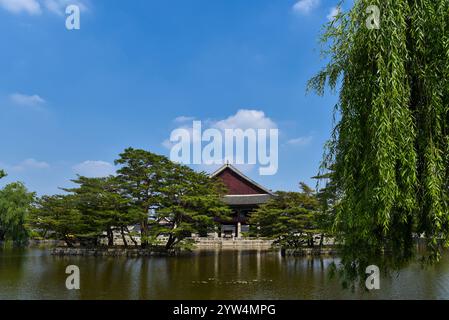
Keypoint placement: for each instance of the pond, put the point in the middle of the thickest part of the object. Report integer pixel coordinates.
(33, 273)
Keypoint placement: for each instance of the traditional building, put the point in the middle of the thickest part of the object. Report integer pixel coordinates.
(244, 196)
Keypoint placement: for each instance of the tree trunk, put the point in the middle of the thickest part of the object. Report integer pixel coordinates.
(171, 240)
(144, 233)
(131, 237)
(122, 231)
(283, 252)
(110, 236)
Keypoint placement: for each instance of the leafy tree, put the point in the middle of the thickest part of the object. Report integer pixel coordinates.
(165, 198)
(103, 208)
(2, 174)
(93, 208)
(141, 177)
(390, 146)
(190, 202)
(59, 216)
(15, 202)
(329, 200)
(290, 218)
(173, 199)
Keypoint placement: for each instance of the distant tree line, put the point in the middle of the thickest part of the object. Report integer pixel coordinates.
(158, 196)
(162, 197)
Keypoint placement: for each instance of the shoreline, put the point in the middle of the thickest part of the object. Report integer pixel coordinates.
(58, 248)
(161, 252)
(113, 252)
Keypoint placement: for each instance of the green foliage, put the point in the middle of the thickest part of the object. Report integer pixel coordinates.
(290, 218)
(328, 199)
(103, 207)
(2, 174)
(190, 202)
(90, 210)
(15, 202)
(174, 199)
(141, 176)
(167, 199)
(57, 215)
(389, 149)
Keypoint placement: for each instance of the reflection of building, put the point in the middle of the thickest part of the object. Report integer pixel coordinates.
(244, 195)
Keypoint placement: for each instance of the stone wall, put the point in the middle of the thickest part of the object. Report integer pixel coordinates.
(232, 243)
(317, 251)
(111, 252)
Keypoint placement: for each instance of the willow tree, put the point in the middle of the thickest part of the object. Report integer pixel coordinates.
(15, 204)
(389, 60)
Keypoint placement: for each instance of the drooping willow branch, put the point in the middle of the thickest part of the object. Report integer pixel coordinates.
(389, 153)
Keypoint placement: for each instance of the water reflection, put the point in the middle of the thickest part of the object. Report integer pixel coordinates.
(211, 274)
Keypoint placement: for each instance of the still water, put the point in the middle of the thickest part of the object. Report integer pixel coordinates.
(213, 274)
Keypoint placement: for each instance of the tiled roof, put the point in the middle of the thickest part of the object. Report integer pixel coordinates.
(253, 199)
(238, 172)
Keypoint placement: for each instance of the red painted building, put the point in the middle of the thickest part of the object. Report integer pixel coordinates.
(244, 196)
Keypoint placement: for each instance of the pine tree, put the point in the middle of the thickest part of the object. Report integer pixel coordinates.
(58, 217)
(190, 202)
(103, 208)
(290, 218)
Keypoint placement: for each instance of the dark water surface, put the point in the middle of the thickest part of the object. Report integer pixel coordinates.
(219, 274)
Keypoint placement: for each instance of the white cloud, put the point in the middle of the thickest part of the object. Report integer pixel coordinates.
(92, 168)
(301, 141)
(18, 6)
(243, 119)
(26, 100)
(58, 6)
(246, 119)
(305, 6)
(182, 119)
(333, 13)
(33, 7)
(30, 164)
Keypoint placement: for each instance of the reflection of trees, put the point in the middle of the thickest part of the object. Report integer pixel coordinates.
(11, 270)
(354, 259)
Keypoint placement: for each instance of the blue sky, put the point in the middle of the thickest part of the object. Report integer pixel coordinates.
(70, 101)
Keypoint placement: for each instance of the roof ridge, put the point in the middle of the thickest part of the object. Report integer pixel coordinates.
(241, 174)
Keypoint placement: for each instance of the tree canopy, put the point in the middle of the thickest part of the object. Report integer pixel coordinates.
(93, 210)
(141, 175)
(191, 202)
(390, 146)
(291, 218)
(57, 216)
(168, 201)
(173, 198)
(15, 202)
(104, 208)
